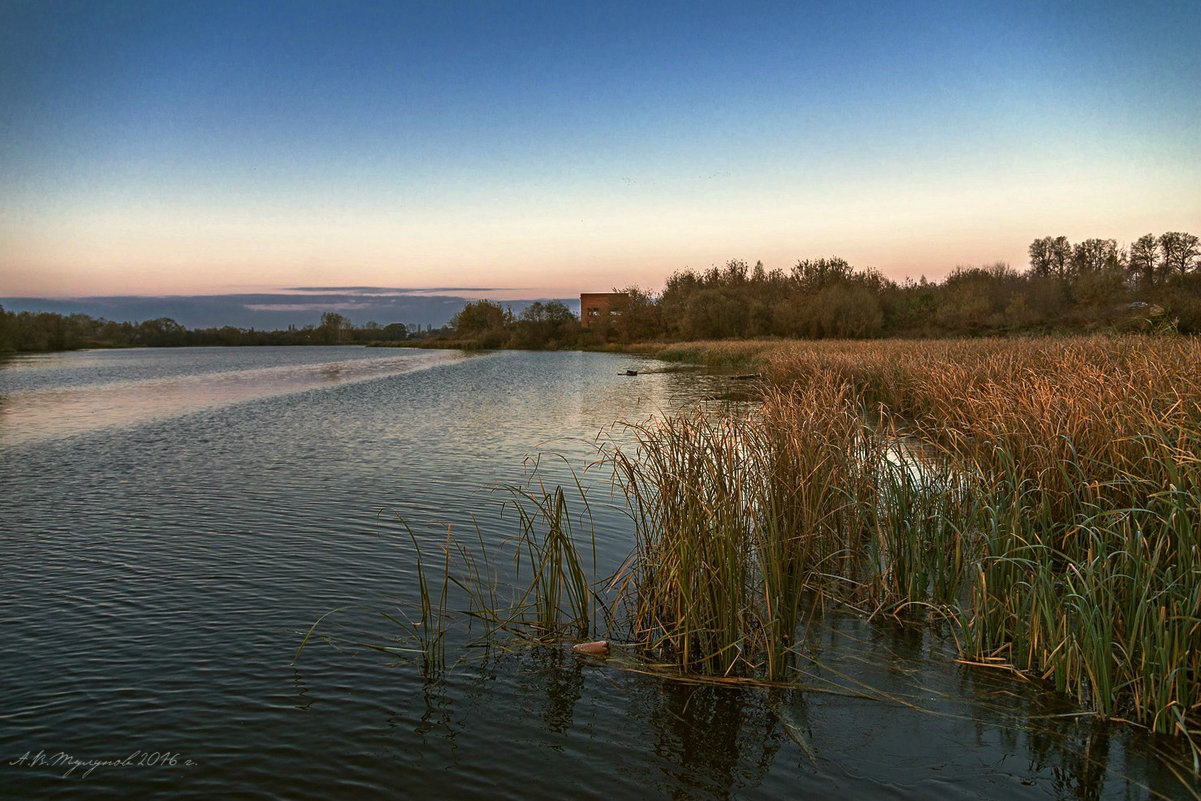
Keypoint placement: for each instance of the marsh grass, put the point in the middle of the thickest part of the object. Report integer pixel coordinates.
(430, 627)
(737, 515)
(924, 526)
(685, 589)
(548, 594)
(1076, 526)
(551, 546)
(1053, 518)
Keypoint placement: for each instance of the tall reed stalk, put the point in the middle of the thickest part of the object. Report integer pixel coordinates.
(560, 591)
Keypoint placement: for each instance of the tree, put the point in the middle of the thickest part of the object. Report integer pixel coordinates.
(681, 286)
(6, 343)
(394, 332)
(714, 313)
(1180, 252)
(641, 319)
(909, 307)
(333, 329)
(1142, 268)
(1051, 257)
(162, 332)
(813, 275)
(544, 325)
(558, 313)
(483, 322)
(849, 310)
(371, 332)
(477, 317)
(972, 299)
(1099, 289)
(764, 292)
(1094, 256)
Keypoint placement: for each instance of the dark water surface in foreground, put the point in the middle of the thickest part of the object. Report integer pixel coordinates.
(173, 521)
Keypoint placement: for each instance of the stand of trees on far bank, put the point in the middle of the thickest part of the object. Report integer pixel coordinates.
(46, 331)
(1153, 284)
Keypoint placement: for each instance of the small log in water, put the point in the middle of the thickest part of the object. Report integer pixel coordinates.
(598, 648)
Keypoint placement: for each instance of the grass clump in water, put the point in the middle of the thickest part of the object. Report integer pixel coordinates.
(735, 517)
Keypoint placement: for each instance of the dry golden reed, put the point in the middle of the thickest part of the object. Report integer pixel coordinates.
(1056, 511)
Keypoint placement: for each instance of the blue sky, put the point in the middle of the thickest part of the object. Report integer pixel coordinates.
(548, 148)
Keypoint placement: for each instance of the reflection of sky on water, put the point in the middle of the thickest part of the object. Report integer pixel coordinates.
(60, 395)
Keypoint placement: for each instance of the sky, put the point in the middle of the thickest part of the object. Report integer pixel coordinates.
(542, 149)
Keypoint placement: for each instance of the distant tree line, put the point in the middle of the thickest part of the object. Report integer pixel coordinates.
(1096, 284)
(46, 331)
(485, 324)
(1154, 284)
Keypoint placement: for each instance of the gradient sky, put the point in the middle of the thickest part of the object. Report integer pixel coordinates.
(551, 148)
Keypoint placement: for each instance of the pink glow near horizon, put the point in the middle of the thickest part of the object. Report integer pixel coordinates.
(541, 158)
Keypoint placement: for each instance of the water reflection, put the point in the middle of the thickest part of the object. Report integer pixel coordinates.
(60, 395)
(887, 713)
(1082, 757)
(712, 740)
(436, 715)
(919, 726)
(301, 703)
(555, 677)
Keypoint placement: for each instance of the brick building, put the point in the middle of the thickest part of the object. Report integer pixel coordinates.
(601, 307)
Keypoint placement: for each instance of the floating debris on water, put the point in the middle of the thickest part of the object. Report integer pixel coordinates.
(598, 648)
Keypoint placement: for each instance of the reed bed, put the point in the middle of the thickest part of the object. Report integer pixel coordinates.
(717, 353)
(1056, 516)
(1041, 498)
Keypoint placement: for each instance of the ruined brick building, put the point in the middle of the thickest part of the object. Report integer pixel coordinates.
(598, 308)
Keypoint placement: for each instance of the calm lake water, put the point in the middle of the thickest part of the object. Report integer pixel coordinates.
(173, 521)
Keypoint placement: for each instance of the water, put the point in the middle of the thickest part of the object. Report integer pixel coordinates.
(173, 521)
